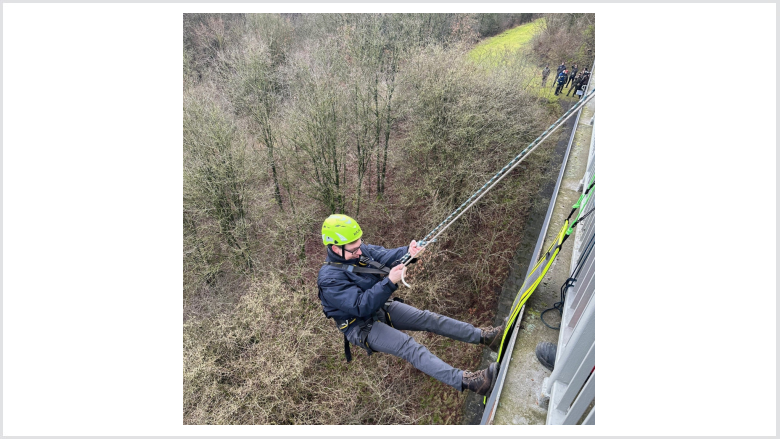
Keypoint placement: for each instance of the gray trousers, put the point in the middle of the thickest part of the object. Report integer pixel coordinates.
(390, 339)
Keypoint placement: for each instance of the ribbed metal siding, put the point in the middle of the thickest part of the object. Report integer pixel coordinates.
(585, 286)
(572, 385)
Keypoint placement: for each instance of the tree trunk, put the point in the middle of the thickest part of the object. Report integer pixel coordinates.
(277, 191)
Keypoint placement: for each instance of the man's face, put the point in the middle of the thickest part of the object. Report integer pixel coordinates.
(351, 251)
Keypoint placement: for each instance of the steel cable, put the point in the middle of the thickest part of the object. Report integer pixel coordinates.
(496, 178)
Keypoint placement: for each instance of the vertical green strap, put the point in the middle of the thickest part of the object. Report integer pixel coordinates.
(581, 202)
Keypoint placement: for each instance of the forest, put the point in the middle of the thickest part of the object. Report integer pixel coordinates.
(388, 118)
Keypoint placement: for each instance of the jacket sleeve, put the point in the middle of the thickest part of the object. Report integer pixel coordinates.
(385, 256)
(342, 293)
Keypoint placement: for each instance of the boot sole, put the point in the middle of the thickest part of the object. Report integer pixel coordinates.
(549, 366)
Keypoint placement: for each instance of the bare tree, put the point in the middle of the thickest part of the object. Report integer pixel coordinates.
(215, 176)
(568, 38)
(253, 94)
(374, 43)
(317, 127)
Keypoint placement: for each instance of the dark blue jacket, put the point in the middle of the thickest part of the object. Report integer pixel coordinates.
(562, 78)
(346, 295)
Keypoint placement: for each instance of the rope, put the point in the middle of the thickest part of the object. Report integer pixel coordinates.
(580, 204)
(582, 218)
(585, 195)
(571, 280)
(496, 178)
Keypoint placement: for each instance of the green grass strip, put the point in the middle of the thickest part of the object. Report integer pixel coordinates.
(510, 40)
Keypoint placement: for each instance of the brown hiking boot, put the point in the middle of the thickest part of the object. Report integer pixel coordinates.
(481, 382)
(491, 337)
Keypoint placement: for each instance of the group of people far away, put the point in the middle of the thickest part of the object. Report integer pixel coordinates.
(572, 78)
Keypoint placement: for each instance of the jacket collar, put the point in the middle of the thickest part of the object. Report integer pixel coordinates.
(333, 257)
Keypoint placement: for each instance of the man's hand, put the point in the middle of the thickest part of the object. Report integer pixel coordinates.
(395, 273)
(414, 248)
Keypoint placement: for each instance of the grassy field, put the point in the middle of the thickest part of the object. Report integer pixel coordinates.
(509, 41)
(513, 47)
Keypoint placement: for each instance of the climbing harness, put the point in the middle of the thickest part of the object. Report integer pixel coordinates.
(365, 328)
(382, 315)
(343, 325)
(365, 325)
(430, 237)
(380, 269)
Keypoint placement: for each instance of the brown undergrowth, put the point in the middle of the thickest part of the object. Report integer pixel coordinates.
(257, 348)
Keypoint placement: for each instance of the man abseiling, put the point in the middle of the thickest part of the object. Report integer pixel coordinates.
(358, 299)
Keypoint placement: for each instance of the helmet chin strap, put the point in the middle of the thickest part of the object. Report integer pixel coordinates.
(344, 252)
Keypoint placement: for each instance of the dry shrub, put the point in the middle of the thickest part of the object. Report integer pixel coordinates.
(246, 366)
(216, 180)
(274, 359)
(465, 123)
(568, 38)
(208, 38)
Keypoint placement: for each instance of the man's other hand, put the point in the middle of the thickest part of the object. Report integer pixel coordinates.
(414, 248)
(395, 273)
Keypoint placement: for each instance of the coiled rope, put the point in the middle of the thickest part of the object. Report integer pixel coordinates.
(406, 259)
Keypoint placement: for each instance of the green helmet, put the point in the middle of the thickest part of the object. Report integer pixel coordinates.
(340, 230)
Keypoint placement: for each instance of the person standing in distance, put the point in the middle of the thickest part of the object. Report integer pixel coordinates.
(561, 81)
(561, 68)
(572, 75)
(545, 74)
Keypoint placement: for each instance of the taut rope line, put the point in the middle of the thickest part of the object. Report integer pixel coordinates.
(493, 181)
